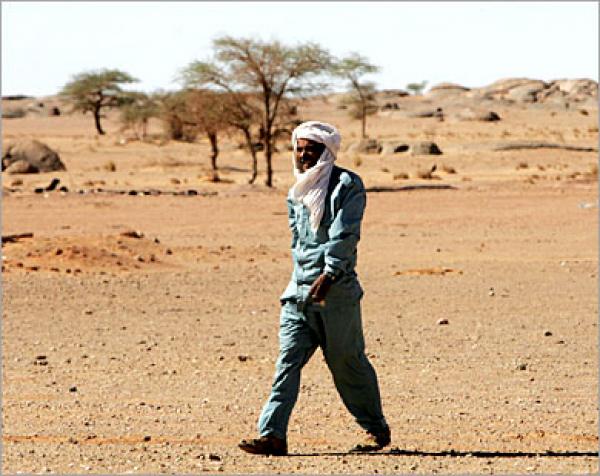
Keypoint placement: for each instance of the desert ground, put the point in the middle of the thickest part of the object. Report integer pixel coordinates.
(140, 330)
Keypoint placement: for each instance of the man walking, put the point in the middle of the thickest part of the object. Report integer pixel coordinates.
(321, 304)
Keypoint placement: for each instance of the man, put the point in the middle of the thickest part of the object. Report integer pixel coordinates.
(321, 304)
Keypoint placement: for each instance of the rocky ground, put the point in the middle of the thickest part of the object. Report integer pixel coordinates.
(140, 331)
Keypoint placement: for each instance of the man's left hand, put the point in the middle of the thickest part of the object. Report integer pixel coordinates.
(320, 287)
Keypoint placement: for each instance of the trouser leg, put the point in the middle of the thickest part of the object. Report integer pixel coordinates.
(297, 343)
(353, 375)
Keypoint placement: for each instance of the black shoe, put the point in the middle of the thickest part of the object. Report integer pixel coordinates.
(265, 445)
(374, 442)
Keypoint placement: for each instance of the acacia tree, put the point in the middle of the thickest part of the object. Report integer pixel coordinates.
(138, 111)
(416, 88)
(269, 69)
(94, 91)
(362, 94)
(241, 112)
(205, 112)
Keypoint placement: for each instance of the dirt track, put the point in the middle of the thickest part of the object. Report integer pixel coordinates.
(159, 350)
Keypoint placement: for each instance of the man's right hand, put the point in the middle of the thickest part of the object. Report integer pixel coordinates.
(320, 287)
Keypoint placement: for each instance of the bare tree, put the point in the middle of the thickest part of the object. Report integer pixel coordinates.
(362, 94)
(95, 91)
(269, 69)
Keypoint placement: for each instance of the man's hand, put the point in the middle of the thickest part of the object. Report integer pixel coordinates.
(320, 287)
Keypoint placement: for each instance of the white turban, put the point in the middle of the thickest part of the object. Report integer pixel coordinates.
(311, 186)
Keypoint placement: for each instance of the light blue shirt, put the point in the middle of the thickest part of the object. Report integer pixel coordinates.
(332, 249)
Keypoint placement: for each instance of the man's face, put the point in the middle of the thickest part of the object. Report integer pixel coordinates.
(307, 153)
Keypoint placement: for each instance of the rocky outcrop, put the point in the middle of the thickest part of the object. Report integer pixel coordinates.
(425, 148)
(365, 146)
(30, 156)
(413, 148)
(445, 90)
(470, 114)
(522, 91)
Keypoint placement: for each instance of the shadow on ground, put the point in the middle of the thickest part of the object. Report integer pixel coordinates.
(459, 454)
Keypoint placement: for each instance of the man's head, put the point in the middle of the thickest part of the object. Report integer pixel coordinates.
(314, 140)
(307, 153)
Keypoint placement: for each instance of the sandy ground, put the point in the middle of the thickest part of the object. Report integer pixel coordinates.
(140, 332)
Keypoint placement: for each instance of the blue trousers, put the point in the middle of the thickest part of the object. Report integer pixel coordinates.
(337, 329)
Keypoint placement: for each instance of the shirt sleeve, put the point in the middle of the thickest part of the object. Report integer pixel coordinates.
(344, 231)
(292, 222)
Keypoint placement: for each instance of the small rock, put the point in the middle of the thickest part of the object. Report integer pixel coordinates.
(547, 333)
(214, 457)
(522, 367)
(132, 234)
(442, 322)
(147, 438)
(73, 389)
(242, 358)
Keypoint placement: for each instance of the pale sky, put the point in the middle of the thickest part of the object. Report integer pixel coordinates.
(469, 43)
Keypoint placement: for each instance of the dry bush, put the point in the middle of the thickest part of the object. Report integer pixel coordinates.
(357, 160)
(385, 169)
(401, 176)
(426, 175)
(110, 166)
(522, 165)
(448, 169)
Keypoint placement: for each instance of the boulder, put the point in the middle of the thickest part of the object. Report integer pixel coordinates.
(392, 93)
(448, 87)
(425, 148)
(446, 91)
(365, 146)
(438, 112)
(578, 87)
(39, 156)
(470, 114)
(526, 92)
(21, 167)
(396, 147)
(389, 106)
(513, 89)
(13, 113)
